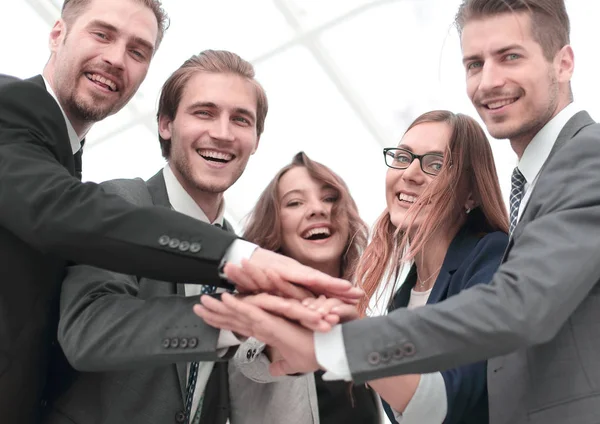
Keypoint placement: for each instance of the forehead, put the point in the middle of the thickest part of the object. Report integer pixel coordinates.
(298, 178)
(427, 137)
(495, 32)
(131, 18)
(227, 91)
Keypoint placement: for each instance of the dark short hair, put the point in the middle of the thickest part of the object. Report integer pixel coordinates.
(211, 61)
(72, 9)
(550, 24)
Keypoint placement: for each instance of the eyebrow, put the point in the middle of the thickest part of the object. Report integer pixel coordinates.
(303, 191)
(111, 28)
(496, 53)
(211, 105)
(405, 147)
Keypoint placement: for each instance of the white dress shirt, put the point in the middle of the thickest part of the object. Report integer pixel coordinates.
(537, 151)
(182, 202)
(74, 139)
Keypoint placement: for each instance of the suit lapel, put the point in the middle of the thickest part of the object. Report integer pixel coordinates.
(579, 121)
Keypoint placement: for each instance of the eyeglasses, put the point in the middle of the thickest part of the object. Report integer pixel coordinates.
(431, 163)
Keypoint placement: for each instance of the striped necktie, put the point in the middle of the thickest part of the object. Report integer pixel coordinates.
(516, 195)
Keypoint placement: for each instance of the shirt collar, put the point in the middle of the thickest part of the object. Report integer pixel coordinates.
(182, 202)
(541, 145)
(74, 139)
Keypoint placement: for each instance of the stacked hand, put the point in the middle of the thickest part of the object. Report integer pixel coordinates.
(285, 321)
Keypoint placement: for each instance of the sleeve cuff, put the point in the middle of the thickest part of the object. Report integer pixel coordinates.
(239, 249)
(429, 404)
(331, 354)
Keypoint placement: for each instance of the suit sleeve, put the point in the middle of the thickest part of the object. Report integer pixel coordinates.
(52, 211)
(105, 326)
(466, 390)
(552, 267)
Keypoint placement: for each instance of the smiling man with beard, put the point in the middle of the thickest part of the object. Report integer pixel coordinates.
(100, 54)
(141, 340)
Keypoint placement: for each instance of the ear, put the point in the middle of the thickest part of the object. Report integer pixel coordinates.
(164, 127)
(564, 63)
(57, 35)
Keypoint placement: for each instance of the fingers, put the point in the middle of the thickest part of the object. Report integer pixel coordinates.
(242, 281)
(346, 312)
(287, 289)
(219, 321)
(287, 308)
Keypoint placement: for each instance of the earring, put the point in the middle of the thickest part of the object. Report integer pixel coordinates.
(468, 210)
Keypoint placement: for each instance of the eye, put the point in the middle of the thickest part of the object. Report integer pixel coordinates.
(402, 158)
(512, 56)
(331, 198)
(202, 113)
(242, 120)
(474, 65)
(292, 203)
(100, 35)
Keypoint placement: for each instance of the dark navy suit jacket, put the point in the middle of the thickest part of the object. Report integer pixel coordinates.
(471, 259)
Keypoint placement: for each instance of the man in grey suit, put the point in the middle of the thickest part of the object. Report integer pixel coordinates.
(136, 343)
(537, 321)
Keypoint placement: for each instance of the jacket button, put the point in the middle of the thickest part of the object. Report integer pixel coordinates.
(195, 247)
(174, 342)
(174, 243)
(164, 240)
(373, 358)
(386, 356)
(180, 417)
(166, 343)
(183, 343)
(398, 353)
(184, 246)
(193, 342)
(409, 349)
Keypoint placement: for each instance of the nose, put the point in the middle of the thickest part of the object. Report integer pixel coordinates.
(491, 77)
(316, 207)
(414, 173)
(114, 55)
(221, 129)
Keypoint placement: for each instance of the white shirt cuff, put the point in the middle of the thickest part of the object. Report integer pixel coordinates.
(429, 404)
(331, 354)
(239, 249)
(225, 341)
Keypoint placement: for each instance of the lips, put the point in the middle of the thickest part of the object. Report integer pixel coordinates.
(497, 104)
(215, 155)
(317, 233)
(105, 82)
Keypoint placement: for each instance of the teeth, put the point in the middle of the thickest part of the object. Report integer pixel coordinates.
(319, 230)
(99, 78)
(498, 104)
(215, 155)
(407, 198)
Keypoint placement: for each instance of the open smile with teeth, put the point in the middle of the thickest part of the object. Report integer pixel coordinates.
(406, 198)
(101, 81)
(215, 156)
(319, 233)
(500, 103)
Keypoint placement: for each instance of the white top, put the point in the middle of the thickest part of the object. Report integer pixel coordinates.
(418, 298)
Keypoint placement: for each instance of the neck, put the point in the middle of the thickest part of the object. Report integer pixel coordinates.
(81, 127)
(430, 259)
(209, 202)
(331, 268)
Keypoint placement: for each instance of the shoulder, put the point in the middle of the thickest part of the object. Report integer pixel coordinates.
(133, 190)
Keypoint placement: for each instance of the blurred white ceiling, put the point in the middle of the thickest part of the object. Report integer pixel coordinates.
(344, 78)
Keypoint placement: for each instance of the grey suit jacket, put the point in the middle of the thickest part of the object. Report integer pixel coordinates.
(132, 338)
(283, 400)
(539, 316)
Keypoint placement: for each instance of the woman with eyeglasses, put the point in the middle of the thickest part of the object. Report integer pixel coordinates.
(446, 221)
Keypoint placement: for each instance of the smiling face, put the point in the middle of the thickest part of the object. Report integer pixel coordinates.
(404, 186)
(309, 232)
(100, 59)
(213, 133)
(514, 88)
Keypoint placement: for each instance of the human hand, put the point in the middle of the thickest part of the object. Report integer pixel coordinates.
(271, 272)
(247, 316)
(333, 310)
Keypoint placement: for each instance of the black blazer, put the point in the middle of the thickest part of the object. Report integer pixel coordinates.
(471, 259)
(48, 217)
(132, 339)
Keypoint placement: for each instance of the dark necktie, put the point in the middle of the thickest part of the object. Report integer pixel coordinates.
(77, 160)
(193, 376)
(516, 195)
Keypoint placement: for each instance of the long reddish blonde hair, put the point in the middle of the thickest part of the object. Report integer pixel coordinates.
(469, 169)
(264, 222)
